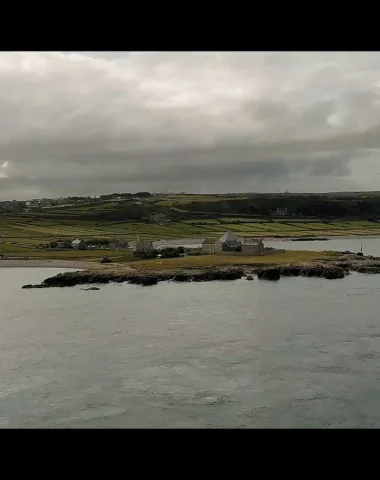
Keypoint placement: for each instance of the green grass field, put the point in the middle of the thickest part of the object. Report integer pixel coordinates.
(21, 234)
(295, 256)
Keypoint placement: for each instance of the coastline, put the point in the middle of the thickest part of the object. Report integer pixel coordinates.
(82, 264)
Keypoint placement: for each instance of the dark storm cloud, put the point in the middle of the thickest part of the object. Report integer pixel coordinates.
(73, 123)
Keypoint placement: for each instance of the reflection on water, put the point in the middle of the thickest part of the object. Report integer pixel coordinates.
(301, 352)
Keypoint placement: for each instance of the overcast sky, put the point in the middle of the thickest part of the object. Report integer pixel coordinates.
(101, 122)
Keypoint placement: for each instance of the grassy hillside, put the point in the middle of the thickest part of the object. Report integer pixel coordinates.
(190, 216)
(340, 205)
(20, 235)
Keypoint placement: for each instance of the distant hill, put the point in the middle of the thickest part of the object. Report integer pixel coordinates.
(144, 206)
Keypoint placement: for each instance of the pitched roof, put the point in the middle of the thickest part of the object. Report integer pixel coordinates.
(77, 241)
(228, 237)
(209, 241)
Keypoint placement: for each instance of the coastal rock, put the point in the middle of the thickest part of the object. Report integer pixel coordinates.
(181, 277)
(147, 281)
(99, 279)
(333, 273)
(270, 273)
(366, 268)
(332, 267)
(134, 280)
(143, 280)
(329, 272)
(217, 274)
(290, 270)
(312, 271)
(318, 270)
(120, 278)
(41, 285)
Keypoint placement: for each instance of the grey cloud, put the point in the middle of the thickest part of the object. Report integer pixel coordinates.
(93, 122)
(336, 166)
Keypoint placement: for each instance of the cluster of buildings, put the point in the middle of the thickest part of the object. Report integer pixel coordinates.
(37, 204)
(80, 244)
(228, 243)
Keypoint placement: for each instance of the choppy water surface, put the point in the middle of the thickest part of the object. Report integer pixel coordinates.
(301, 352)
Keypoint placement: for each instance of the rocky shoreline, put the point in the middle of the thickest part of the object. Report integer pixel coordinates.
(337, 267)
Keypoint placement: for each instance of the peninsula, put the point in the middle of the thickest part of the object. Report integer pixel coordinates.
(328, 265)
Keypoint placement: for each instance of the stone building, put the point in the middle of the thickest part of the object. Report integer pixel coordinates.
(79, 244)
(210, 246)
(252, 246)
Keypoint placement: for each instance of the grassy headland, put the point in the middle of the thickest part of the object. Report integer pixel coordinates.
(204, 261)
(327, 265)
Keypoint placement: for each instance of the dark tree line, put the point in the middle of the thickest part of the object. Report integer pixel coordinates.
(164, 253)
(294, 205)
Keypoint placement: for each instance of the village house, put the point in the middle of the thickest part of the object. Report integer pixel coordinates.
(79, 244)
(210, 246)
(230, 241)
(252, 246)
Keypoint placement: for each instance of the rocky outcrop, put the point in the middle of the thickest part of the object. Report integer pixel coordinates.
(290, 270)
(333, 273)
(270, 273)
(181, 277)
(331, 268)
(218, 274)
(145, 282)
(366, 268)
(318, 270)
(358, 263)
(143, 278)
